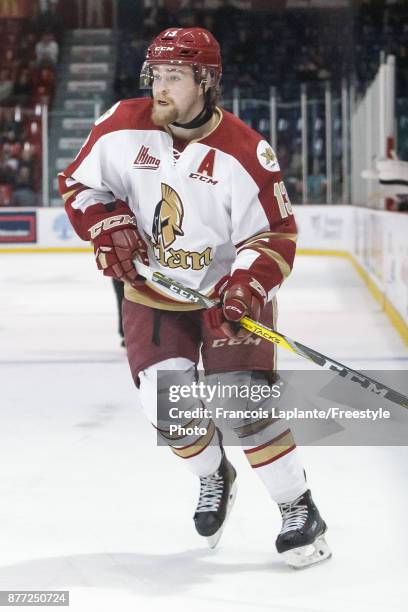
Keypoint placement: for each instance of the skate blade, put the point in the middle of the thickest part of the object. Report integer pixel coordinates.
(304, 556)
(213, 540)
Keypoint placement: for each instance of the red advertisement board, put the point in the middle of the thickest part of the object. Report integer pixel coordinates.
(18, 227)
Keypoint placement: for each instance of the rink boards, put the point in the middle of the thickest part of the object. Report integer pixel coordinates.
(374, 241)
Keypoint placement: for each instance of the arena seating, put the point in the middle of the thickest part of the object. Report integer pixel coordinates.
(25, 84)
(261, 49)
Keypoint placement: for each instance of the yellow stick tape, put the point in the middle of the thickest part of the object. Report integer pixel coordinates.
(264, 332)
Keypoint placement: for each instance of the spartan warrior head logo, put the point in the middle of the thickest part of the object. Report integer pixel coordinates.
(168, 217)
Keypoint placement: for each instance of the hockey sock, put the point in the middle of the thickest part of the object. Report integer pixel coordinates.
(277, 464)
(202, 456)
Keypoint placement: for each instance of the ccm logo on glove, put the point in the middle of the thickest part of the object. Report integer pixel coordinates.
(117, 242)
(110, 223)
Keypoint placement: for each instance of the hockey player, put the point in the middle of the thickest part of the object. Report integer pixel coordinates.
(190, 190)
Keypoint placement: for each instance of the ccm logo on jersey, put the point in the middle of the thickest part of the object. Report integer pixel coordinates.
(205, 170)
(145, 161)
(110, 223)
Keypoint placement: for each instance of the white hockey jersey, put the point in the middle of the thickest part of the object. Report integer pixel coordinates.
(217, 206)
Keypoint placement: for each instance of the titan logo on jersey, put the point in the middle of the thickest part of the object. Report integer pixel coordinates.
(145, 161)
(205, 170)
(166, 227)
(168, 217)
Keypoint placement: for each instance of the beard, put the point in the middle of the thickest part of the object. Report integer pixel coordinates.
(164, 115)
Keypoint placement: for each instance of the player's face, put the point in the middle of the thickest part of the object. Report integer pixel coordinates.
(176, 95)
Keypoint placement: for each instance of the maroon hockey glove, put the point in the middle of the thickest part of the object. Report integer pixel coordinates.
(241, 295)
(117, 242)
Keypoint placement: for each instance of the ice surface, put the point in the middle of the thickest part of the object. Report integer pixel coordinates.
(88, 502)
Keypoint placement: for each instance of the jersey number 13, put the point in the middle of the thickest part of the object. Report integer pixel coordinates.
(285, 207)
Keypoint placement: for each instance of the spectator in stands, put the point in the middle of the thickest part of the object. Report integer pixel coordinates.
(6, 195)
(44, 85)
(306, 69)
(23, 87)
(296, 160)
(12, 156)
(226, 15)
(130, 16)
(284, 156)
(27, 159)
(124, 85)
(6, 123)
(293, 173)
(7, 174)
(47, 51)
(27, 48)
(187, 18)
(245, 79)
(316, 185)
(322, 72)
(24, 194)
(6, 83)
(244, 51)
(91, 13)
(156, 18)
(50, 20)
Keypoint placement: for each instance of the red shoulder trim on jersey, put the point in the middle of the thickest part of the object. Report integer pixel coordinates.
(237, 139)
(132, 114)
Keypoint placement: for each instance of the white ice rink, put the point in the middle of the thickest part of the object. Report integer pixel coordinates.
(89, 504)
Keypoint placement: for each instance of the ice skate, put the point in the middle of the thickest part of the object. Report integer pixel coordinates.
(301, 540)
(217, 496)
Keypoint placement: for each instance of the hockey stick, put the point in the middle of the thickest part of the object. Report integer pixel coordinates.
(259, 329)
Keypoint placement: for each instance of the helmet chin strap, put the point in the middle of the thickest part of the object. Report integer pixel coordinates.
(203, 116)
